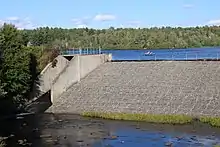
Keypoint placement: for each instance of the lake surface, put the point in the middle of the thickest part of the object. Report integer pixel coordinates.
(66, 130)
(158, 54)
(166, 54)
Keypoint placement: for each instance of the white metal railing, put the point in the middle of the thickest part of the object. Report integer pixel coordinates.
(81, 51)
(182, 56)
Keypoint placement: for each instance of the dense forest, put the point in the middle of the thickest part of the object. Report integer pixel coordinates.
(128, 38)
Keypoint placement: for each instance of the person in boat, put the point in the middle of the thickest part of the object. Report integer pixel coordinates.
(148, 53)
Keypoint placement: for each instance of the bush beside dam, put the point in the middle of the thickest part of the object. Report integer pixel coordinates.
(162, 87)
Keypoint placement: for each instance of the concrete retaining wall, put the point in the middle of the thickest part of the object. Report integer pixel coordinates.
(50, 73)
(162, 87)
(78, 68)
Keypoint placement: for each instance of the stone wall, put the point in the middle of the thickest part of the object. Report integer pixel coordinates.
(162, 87)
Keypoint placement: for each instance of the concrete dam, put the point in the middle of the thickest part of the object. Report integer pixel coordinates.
(92, 83)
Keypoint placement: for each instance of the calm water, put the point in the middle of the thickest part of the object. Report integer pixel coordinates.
(158, 54)
(166, 54)
(49, 130)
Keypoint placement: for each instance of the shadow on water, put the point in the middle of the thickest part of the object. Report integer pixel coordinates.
(68, 130)
(41, 104)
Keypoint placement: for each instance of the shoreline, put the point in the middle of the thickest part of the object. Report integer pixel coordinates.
(155, 118)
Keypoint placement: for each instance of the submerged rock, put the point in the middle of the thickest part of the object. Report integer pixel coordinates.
(169, 144)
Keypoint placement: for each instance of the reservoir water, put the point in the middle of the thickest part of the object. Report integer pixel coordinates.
(166, 54)
(157, 54)
(66, 130)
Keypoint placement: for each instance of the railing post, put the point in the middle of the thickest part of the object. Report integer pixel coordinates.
(186, 56)
(78, 68)
(87, 51)
(217, 56)
(196, 56)
(80, 51)
(172, 56)
(155, 57)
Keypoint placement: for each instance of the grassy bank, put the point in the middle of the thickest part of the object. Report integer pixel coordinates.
(169, 119)
(213, 121)
(154, 118)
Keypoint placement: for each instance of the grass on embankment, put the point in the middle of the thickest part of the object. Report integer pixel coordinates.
(159, 118)
(153, 118)
(213, 121)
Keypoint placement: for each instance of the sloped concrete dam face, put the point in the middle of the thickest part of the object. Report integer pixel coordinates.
(164, 87)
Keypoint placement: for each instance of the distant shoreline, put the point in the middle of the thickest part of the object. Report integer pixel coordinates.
(204, 47)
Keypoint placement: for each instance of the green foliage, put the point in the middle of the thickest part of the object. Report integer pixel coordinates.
(154, 118)
(159, 118)
(16, 73)
(129, 38)
(213, 121)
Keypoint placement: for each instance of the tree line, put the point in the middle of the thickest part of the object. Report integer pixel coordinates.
(127, 38)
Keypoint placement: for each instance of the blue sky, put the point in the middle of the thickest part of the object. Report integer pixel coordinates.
(106, 13)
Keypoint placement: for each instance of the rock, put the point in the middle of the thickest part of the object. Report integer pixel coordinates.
(45, 136)
(113, 137)
(36, 130)
(20, 142)
(24, 124)
(12, 135)
(179, 138)
(169, 144)
(19, 117)
(194, 138)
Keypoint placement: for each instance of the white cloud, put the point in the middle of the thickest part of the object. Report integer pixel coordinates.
(82, 26)
(188, 6)
(13, 18)
(134, 24)
(81, 22)
(104, 17)
(19, 23)
(1, 22)
(214, 22)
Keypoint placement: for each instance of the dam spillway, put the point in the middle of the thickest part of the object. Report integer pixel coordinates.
(161, 87)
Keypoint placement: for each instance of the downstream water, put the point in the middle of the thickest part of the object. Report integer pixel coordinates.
(50, 130)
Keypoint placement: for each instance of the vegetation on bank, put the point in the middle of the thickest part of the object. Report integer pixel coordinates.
(19, 67)
(213, 121)
(159, 118)
(153, 118)
(127, 38)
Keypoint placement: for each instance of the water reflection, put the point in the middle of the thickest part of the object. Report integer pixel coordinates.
(65, 130)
